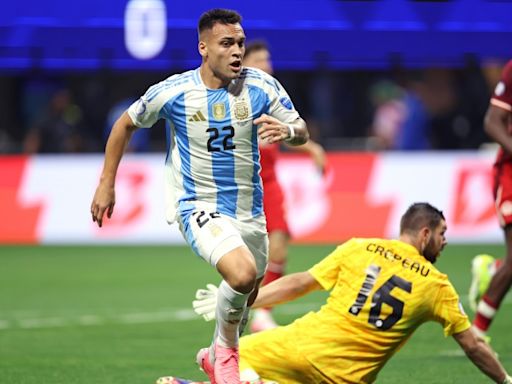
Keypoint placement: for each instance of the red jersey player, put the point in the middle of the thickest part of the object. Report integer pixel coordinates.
(487, 293)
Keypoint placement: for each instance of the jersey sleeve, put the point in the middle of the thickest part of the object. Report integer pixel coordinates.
(502, 96)
(327, 270)
(145, 112)
(281, 106)
(449, 311)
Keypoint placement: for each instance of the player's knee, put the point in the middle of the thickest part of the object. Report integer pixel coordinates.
(244, 280)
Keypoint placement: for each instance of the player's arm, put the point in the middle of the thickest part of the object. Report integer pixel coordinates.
(481, 354)
(495, 123)
(282, 290)
(104, 198)
(315, 150)
(297, 133)
(285, 289)
(273, 130)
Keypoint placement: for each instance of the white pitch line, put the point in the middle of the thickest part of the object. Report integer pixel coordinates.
(452, 353)
(177, 315)
(33, 321)
(49, 322)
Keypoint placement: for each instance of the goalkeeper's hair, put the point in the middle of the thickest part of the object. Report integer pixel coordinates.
(420, 215)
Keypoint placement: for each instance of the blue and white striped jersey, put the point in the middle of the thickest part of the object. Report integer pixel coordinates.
(213, 152)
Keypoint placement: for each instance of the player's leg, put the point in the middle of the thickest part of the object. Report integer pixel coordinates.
(254, 236)
(277, 257)
(278, 231)
(278, 251)
(498, 288)
(250, 301)
(502, 279)
(277, 227)
(238, 270)
(214, 237)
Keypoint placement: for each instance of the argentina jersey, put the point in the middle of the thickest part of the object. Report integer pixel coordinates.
(213, 156)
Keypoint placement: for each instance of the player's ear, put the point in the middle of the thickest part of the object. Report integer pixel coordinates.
(425, 234)
(424, 237)
(202, 48)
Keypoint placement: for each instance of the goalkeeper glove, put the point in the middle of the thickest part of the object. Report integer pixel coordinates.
(206, 302)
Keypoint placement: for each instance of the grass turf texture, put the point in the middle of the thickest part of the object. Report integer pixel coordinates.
(81, 315)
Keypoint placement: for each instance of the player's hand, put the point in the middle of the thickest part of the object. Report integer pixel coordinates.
(103, 201)
(271, 130)
(206, 302)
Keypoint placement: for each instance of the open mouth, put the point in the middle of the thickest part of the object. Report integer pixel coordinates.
(236, 65)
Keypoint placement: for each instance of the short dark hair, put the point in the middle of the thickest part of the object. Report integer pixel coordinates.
(420, 215)
(255, 46)
(217, 15)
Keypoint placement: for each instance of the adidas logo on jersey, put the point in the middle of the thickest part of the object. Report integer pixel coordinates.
(198, 116)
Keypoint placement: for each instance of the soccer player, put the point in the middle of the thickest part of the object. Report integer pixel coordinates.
(381, 291)
(498, 125)
(216, 114)
(257, 55)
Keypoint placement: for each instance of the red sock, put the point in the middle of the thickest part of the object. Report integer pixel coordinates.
(485, 314)
(274, 272)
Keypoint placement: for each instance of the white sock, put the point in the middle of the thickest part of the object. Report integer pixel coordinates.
(230, 309)
(244, 321)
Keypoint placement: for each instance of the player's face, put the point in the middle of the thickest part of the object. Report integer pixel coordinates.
(259, 59)
(223, 48)
(436, 242)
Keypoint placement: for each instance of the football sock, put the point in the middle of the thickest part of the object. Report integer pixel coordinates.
(244, 321)
(230, 309)
(485, 313)
(274, 272)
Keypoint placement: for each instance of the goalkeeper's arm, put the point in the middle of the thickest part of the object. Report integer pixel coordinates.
(287, 288)
(279, 291)
(482, 355)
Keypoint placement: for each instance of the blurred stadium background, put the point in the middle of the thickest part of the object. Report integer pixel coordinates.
(395, 90)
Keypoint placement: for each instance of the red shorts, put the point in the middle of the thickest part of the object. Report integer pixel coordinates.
(273, 205)
(502, 173)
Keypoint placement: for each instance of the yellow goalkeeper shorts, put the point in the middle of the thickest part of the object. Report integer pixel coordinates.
(274, 355)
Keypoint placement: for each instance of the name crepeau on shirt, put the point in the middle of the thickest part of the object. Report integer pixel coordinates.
(391, 255)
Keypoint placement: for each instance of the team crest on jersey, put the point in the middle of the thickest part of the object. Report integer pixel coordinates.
(241, 110)
(219, 111)
(286, 102)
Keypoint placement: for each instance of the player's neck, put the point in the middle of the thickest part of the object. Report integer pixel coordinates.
(416, 243)
(210, 80)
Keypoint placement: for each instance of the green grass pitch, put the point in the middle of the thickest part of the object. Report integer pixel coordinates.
(122, 314)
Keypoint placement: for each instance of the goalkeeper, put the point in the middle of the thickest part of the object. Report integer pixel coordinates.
(381, 291)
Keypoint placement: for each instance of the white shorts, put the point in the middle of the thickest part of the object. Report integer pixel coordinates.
(211, 235)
